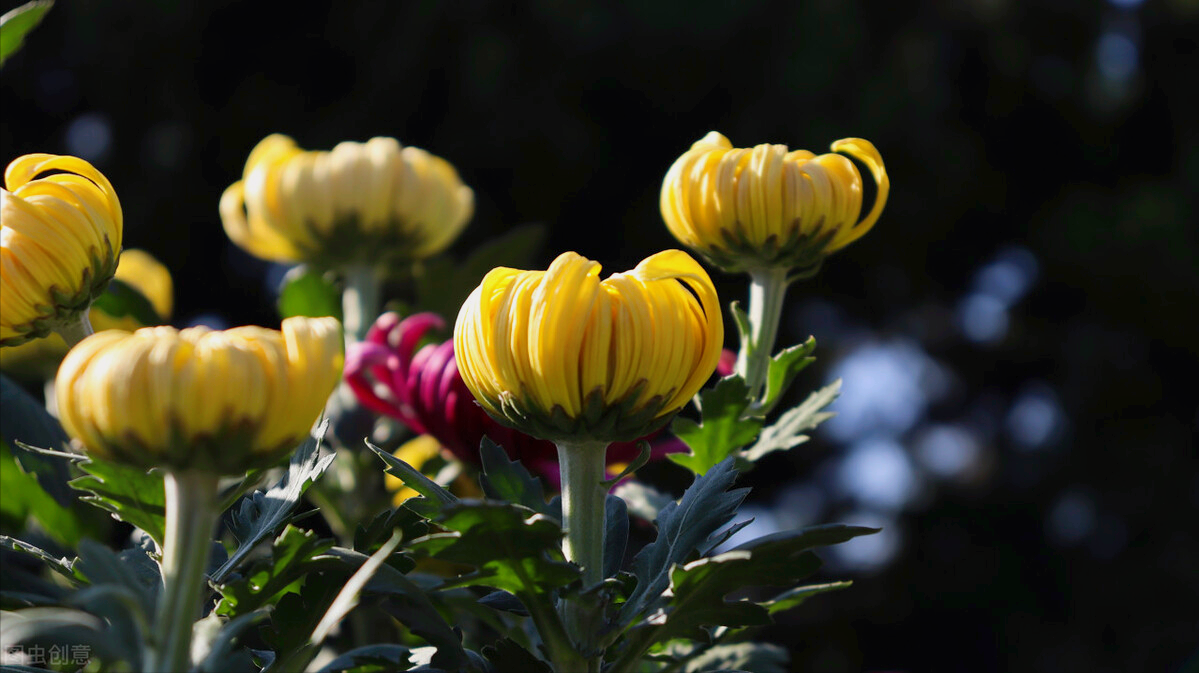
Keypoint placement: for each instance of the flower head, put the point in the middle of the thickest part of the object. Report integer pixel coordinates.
(60, 235)
(372, 203)
(746, 209)
(421, 387)
(561, 355)
(218, 401)
(137, 269)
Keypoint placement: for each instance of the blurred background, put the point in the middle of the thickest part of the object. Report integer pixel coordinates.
(1017, 335)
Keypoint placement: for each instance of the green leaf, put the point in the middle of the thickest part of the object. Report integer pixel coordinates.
(756, 657)
(386, 657)
(787, 431)
(60, 565)
(25, 499)
(99, 565)
(705, 507)
(511, 549)
(616, 534)
(122, 300)
(54, 626)
(347, 598)
(642, 500)
(506, 655)
(24, 419)
(434, 496)
(508, 480)
(16, 24)
(308, 292)
(223, 652)
(793, 598)
(134, 496)
(294, 554)
(722, 429)
(372, 535)
(699, 588)
(412, 606)
(444, 283)
(261, 514)
(781, 371)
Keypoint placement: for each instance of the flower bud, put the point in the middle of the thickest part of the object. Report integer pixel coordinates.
(563, 356)
(746, 209)
(421, 387)
(361, 203)
(216, 401)
(139, 270)
(60, 236)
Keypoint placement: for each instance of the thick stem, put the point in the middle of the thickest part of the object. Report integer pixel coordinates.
(74, 332)
(582, 466)
(359, 301)
(191, 509)
(767, 289)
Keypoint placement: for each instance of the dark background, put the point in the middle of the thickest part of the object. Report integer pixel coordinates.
(1016, 335)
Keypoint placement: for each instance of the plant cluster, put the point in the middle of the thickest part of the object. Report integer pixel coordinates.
(523, 539)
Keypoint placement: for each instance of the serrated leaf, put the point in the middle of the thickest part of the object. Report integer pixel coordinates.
(134, 496)
(444, 283)
(261, 514)
(122, 300)
(434, 497)
(16, 23)
(508, 480)
(705, 507)
(722, 428)
(781, 371)
(24, 419)
(384, 657)
(307, 292)
(60, 565)
(699, 588)
(511, 549)
(787, 431)
(412, 606)
(25, 499)
(506, 655)
(294, 554)
(99, 565)
(372, 535)
(347, 598)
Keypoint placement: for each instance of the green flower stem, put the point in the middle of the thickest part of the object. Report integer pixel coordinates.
(360, 300)
(767, 289)
(582, 466)
(74, 332)
(191, 509)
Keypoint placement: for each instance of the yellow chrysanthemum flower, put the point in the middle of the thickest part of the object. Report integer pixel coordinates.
(561, 355)
(60, 236)
(746, 209)
(215, 401)
(361, 203)
(137, 269)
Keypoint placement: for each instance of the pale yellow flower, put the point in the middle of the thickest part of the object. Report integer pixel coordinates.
(561, 355)
(761, 207)
(60, 235)
(361, 203)
(139, 270)
(216, 401)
